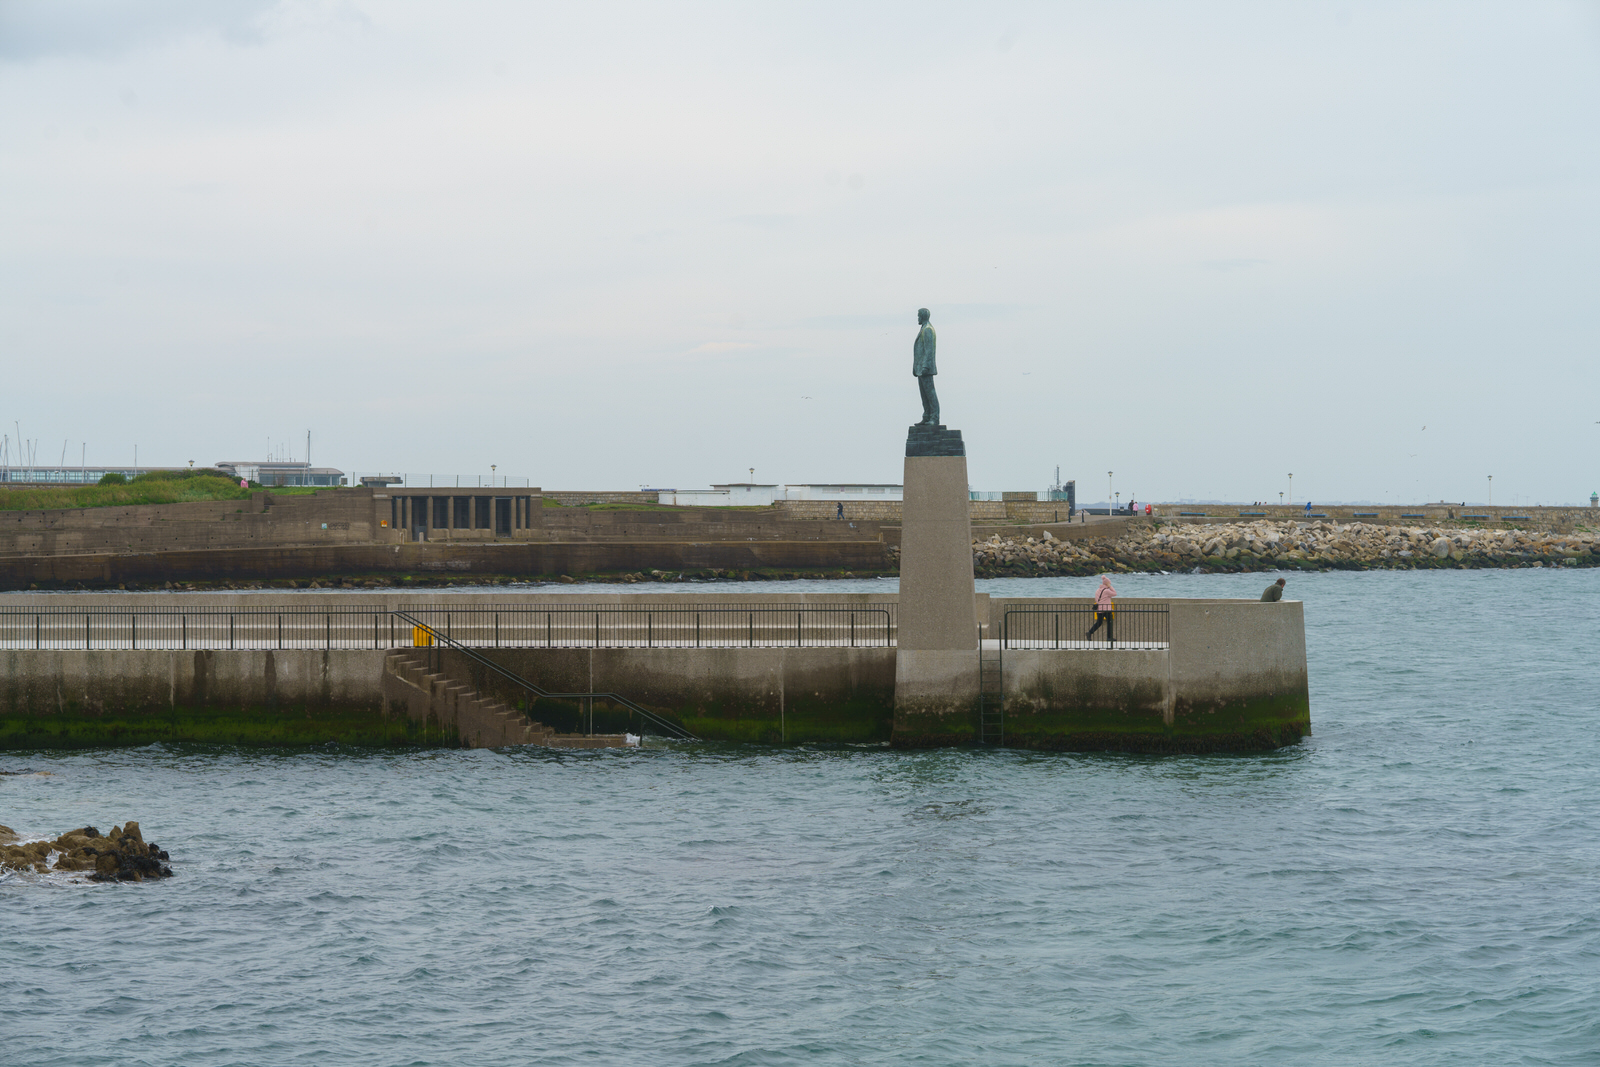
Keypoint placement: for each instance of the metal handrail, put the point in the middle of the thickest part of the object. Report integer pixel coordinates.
(526, 625)
(653, 625)
(1142, 626)
(672, 728)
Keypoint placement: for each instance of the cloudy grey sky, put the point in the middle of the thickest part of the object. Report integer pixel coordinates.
(604, 245)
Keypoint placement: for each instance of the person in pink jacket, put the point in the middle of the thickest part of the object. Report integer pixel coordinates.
(1103, 609)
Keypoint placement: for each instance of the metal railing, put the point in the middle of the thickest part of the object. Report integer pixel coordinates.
(1066, 627)
(490, 626)
(666, 626)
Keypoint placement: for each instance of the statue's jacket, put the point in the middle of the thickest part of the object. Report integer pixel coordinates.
(922, 353)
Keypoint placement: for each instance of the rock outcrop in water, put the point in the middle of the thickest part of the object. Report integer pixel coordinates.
(120, 856)
(1266, 545)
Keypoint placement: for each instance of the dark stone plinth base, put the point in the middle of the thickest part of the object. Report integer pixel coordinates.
(923, 440)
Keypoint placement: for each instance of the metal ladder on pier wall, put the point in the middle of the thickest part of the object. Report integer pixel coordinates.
(991, 694)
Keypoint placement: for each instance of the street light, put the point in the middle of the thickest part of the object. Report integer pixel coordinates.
(1291, 490)
(1280, 500)
(1491, 490)
(491, 475)
(1108, 490)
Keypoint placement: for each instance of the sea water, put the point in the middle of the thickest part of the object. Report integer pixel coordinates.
(1417, 883)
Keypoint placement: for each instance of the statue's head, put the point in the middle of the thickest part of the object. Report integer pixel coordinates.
(922, 316)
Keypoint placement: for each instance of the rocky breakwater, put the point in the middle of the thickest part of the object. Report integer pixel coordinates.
(120, 856)
(1268, 545)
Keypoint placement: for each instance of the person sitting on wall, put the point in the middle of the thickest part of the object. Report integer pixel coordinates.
(1274, 592)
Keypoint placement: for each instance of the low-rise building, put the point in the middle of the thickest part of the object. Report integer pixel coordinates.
(271, 472)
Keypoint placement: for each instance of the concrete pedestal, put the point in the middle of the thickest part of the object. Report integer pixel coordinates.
(936, 666)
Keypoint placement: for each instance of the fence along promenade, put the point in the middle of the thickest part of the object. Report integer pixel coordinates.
(1065, 627)
(553, 625)
(1058, 627)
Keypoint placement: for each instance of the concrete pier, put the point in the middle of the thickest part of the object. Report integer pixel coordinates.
(1227, 675)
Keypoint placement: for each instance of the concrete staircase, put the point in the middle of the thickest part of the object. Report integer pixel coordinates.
(480, 722)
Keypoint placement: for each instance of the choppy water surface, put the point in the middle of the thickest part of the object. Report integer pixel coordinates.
(1417, 884)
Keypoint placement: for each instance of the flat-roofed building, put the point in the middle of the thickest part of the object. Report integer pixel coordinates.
(845, 491)
(279, 472)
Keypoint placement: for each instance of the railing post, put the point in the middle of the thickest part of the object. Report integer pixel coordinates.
(797, 629)
(230, 631)
(596, 645)
(547, 629)
(497, 629)
(1057, 620)
(327, 633)
(752, 629)
(38, 630)
(852, 629)
(649, 629)
(697, 629)
(186, 632)
(280, 631)
(86, 633)
(133, 630)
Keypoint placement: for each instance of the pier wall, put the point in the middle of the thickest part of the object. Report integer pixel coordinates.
(74, 698)
(330, 517)
(1233, 679)
(518, 559)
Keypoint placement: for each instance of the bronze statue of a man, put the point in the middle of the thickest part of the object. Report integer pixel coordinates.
(923, 367)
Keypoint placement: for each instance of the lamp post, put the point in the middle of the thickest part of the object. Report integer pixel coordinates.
(1280, 499)
(1291, 490)
(492, 469)
(1108, 491)
(1491, 490)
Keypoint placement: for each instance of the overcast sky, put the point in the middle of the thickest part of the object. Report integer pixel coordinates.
(1202, 245)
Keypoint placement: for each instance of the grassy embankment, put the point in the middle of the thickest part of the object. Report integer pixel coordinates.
(157, 487)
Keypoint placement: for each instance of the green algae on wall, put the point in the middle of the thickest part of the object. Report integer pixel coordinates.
(257, 725)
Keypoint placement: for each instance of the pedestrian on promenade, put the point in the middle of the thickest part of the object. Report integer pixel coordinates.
(1274, 592)
(1308, 509)
(1103, 609)
(839, 514)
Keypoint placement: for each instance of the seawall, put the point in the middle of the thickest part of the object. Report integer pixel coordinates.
(530, 560)
(1231, 677)
(73, 698)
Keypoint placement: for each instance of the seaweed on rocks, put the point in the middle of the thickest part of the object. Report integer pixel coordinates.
(123, 855)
